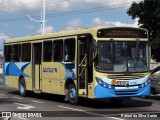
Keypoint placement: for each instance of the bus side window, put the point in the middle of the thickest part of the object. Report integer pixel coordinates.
(16, 53)
(69, 50)
(26, 52)
(58, 50)
(8, 53)
(47, 51)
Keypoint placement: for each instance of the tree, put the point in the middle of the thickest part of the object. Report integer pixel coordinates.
(148, 13)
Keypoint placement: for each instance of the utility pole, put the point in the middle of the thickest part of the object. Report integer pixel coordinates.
(43, 18)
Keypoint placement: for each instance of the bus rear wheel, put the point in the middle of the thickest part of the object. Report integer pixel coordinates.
(22, 87)
(73, 98)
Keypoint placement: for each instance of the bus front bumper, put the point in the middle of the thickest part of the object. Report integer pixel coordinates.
(103, 92)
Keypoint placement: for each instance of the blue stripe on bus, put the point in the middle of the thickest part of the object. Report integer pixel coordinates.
(13, 70)
(23, 67)
(69, 73)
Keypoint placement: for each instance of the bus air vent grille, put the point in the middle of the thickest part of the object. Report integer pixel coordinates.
(125, 77)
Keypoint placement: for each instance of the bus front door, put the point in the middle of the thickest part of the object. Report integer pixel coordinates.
(82, 67)
(37, 56)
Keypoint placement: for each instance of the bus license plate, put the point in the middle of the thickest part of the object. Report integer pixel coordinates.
(121, 82)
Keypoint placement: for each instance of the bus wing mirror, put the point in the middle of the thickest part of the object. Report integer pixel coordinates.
(154, 70)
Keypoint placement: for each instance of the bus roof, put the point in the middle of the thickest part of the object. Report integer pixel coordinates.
(92, 30)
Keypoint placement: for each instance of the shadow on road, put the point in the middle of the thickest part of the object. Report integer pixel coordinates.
(96, 104)
(102, 104)
(155, 97)
(6, 101)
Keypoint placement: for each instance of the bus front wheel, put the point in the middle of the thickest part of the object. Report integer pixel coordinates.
(22, 87)
(73, 98)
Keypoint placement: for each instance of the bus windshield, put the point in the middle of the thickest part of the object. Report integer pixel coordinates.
(114, 56)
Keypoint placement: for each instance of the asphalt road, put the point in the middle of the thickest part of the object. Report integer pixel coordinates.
(49, 107)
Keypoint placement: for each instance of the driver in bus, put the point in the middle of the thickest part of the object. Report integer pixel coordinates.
(66, 55)
(141, 61)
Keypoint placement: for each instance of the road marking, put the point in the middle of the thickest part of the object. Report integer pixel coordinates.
(116, 118)
(22, 118)
(70, 108)
(88, 112)
(82, 111)
(25, 107)
(2, 95)
(18, 98)
(6, 118)
(37, 101)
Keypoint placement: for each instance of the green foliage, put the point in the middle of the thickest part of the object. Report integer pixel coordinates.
(148, 12)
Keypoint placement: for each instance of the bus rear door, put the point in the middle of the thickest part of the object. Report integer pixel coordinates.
(37, 60)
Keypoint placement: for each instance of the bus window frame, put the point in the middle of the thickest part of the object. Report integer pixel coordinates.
(10, 53)
(20, 57)
(23, 52)
(64, 49)
(53, 49)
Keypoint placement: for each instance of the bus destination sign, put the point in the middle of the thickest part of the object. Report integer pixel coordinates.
(121, 33)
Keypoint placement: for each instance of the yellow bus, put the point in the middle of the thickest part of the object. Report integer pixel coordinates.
(97, 62)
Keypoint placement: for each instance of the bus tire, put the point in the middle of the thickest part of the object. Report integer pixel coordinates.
(153, 91)
(73, 98)
(22, 87)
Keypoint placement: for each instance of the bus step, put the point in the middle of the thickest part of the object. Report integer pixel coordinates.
(37, 91)
(82, 91)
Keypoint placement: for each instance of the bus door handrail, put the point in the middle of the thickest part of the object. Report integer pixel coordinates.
(83, 60)
(82, 71)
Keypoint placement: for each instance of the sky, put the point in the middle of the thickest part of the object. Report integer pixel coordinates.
(61, 15)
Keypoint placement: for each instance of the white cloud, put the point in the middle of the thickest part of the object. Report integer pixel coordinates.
(58, 5)
(48, 29)
(3, 36)
(18, 5)
(5, 25)
(73, 24)
(98, 21)
(101, 22)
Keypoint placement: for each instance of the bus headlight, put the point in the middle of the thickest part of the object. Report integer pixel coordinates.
(102, 83)
(145, 83)
(109, 86)
(99, 81)
(142, 85)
